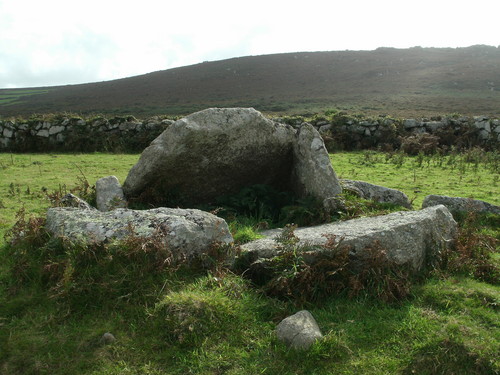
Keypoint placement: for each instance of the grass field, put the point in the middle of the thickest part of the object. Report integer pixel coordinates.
(14, 96)
(202, 322)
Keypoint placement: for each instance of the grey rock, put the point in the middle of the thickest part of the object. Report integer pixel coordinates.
(376, 193)
(187, 232)
(107, 338)
(60, 137)
(299, 331)
(480, 118)
(109, 194)
(458, 204)
(483, 125)
(126, 126)
(167, 122)
(334, 205)
(324, 128)
(219, 151)
(408, 238)
(484, 134)
(313, 173)
(434, 125)
(214, 152)
(411, 123)
(56, 129)
(70, 200)
(43, 133)
(8, 133)
(356, 129)
(4, 142)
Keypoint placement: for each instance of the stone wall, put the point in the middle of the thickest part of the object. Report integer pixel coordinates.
(459, 132)
(119, 134)
(127, 134)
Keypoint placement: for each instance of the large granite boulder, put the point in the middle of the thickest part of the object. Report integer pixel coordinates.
(219, 151)
(409, 238)
(188, 232)
(376, 193)
(458, 204)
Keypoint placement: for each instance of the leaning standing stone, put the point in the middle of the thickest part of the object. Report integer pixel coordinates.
(299, 331)
(109, 194)
(313, 173)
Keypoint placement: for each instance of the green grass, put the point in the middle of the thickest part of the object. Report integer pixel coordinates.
(418, 176)
(25, 178)
(207, 322)
(15, 96)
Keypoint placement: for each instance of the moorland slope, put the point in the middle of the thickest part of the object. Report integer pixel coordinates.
(401, 82)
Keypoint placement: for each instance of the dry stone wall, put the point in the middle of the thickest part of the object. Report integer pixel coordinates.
(343, 132)
(76, 134)
(127, 134)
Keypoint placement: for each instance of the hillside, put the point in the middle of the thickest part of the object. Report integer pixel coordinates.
(400, 82)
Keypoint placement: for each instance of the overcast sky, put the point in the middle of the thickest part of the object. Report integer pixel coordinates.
(57, 42)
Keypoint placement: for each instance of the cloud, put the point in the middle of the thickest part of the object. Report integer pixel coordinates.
(58, 42)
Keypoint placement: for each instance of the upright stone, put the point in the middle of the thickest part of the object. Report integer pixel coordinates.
(313, 173)
(109, 194)
(219, 151)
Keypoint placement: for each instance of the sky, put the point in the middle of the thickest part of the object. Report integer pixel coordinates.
(59, 42)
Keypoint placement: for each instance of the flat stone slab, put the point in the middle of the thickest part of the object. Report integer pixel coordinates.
(189, 232)
(458, 204)
(376, 193)
(408, 237)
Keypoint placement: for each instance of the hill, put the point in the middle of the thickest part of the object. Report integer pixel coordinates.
(401, 82)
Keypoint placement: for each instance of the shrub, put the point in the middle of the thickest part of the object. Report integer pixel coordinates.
(292, 274)
(475, 251)
(89, 274)
(420, 143)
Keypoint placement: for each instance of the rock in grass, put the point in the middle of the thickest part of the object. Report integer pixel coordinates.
(109, 194)
(376, 193)
(299, 331)
(408, 238)
(188, 233)
(219, 151)
(107, 338)
(71, 200)
(457, 204)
